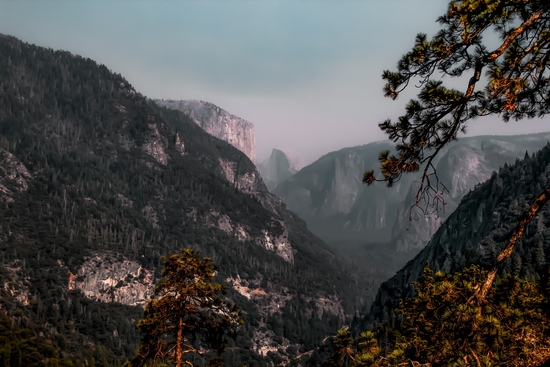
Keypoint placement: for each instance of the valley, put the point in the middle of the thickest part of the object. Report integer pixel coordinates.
(99, 184)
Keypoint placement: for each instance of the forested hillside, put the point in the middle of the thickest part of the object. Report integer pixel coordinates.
(96, 185)
(478, 230)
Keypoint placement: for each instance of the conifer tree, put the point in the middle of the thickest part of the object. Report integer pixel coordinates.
(510, 80)
(187, 311)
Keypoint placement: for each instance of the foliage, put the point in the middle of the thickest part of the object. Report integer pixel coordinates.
(445, 324)
(510, 80)
(187, 306)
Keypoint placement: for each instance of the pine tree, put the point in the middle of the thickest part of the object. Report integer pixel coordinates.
(186, 312)
(448, 324)
(516, 85)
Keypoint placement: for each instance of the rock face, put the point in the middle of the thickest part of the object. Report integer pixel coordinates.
(337, 206)
(14, 176)
(279, 167)
(219, 123)
(341, 210)
(460, 169)
(478, 229)
(106, 277)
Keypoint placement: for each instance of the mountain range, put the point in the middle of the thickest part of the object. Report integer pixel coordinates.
(375, 224)
(98, 183)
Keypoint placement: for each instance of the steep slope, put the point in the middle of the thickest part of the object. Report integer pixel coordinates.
(330, 196)
(278, 168)
(96, 185)
(219, 123)
(460, 170)
(478, 229)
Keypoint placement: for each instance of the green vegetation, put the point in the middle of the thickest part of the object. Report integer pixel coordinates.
(187, 306)
(449, 324)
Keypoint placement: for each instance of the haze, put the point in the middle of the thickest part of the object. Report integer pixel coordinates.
(305, 73)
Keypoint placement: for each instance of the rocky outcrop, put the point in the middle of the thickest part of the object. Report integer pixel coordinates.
(219, 123)
(155, 145)
(15, 283)
(267, 238)
(112, 278)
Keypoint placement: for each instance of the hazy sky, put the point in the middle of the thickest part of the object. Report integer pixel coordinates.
(306, 73)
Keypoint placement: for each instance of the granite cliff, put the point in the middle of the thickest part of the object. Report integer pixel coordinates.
(344, 212)
(219, 123)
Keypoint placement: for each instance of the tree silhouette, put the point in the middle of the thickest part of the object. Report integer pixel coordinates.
(186, 312)
(516, 83)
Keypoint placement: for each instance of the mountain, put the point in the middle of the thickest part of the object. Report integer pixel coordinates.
(345, 213)
(97, 183)
(478, 229)
(219, 123)
(331, 197)
(279, 167)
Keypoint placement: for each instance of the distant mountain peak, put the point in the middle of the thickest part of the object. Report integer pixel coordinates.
(280, 165)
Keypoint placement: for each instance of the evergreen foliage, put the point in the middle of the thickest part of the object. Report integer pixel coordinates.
(187, 306)
(511, 80)
(447, 324)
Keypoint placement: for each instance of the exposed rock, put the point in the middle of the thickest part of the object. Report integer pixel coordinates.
(13, 175)
(155, 145)
(219, 123)
(180, 146)
(330, 196)
(269, 300)
(112, 278)
(150, 215)
(279, 244)
(460, 170)
(124, 201)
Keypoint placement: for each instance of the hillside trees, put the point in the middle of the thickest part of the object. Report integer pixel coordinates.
(187, 308)
(447, 325)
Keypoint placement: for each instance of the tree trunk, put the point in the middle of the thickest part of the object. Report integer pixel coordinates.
(524, 220)
(179, 343)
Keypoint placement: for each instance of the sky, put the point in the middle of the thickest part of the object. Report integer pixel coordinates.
(306, 73)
